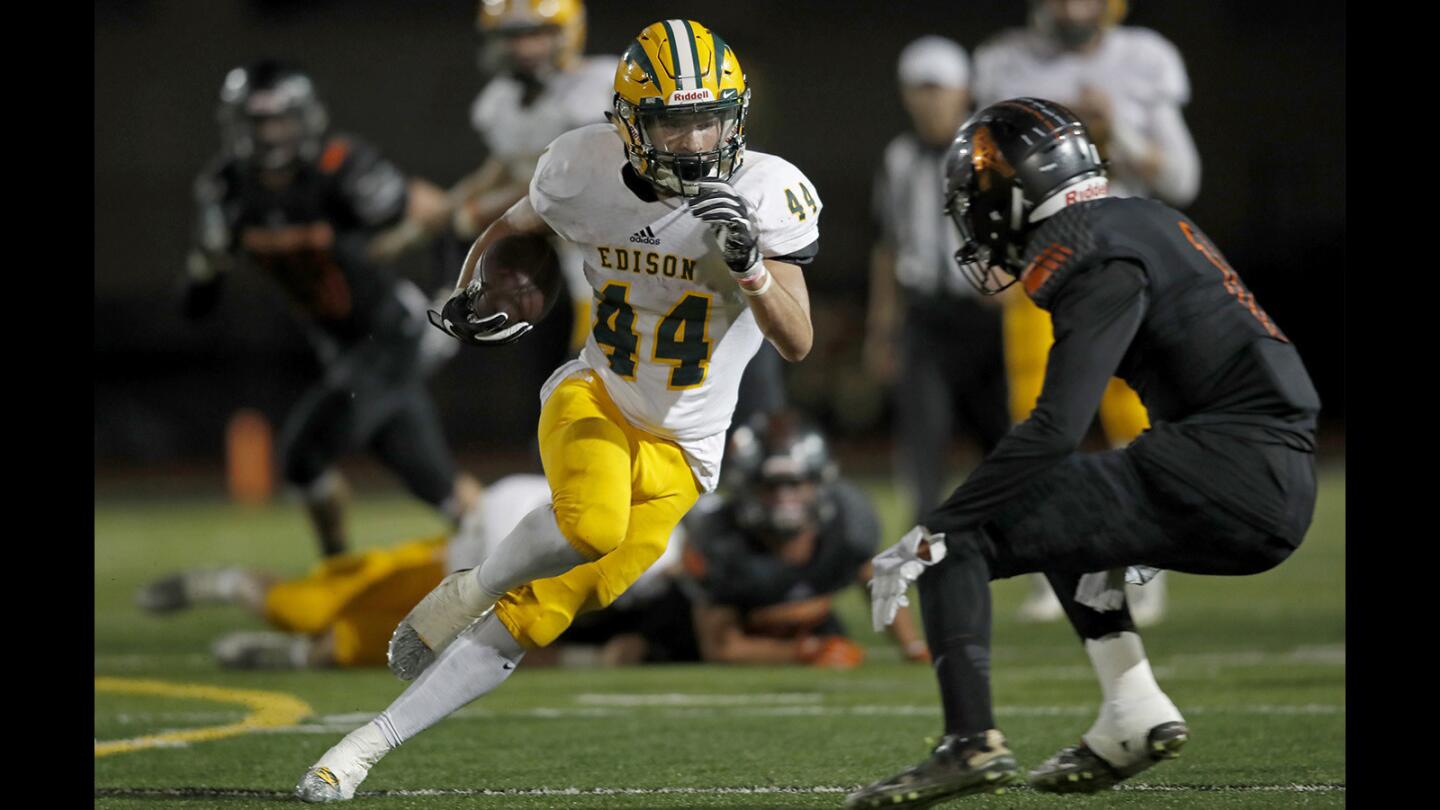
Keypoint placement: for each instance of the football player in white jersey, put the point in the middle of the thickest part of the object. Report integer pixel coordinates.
(1128, 84)
(693, 247)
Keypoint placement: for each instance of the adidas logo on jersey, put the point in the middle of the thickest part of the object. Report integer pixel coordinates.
(644, 236)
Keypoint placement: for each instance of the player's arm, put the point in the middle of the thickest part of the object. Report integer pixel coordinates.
(457, 316)
(782, 309)
(483, 197)
(774, 288)
(1096, 315)
(902, 629)
(519, 219)
(722, 640)
(210, 259)
(426, 212)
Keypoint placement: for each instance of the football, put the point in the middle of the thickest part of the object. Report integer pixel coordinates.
(520, 276)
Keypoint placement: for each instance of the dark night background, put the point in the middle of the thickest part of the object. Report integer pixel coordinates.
(403, 74)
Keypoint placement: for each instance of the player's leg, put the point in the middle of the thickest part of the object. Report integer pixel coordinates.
(587, 455)
(531, 616)
(1056, 519)
(1123, 417)
(972, 756)
(477, 662)
(231, 585)
(314, 435)
(410, 443)
(1138, 725)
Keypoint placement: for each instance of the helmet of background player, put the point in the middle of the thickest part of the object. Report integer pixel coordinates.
(779, 465)
(680, 106)
(530, 39)
(1013, 164)
(270, 117)
(1073, 24)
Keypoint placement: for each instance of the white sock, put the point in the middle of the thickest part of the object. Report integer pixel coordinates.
(534, 549)
(218, 585)
(1131, 701)
(478, 661)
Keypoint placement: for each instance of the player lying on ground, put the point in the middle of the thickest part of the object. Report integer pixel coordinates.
(632, 432)
(761, 567)
(1222, 483)
(343, 612)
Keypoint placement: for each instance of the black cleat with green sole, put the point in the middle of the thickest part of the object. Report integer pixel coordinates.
(957, 767)
(1077, 769)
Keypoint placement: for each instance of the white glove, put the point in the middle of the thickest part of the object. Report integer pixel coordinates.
(896, 568)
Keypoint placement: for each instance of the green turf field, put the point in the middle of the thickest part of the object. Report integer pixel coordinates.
(1256, 663)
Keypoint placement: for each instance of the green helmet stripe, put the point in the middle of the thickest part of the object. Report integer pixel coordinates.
(719, 56)
(694, 51)
(636, 53)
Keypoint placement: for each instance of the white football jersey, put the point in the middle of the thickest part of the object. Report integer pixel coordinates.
(1140, 71)
(672, 332)
(516, 135)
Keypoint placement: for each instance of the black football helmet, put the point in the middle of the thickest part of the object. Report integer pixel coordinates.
(270, 116)
(768, 453)
(1003, 173)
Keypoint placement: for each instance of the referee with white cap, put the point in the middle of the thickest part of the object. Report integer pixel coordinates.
(927, 329)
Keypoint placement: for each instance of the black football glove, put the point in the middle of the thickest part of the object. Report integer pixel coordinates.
(730, 219)
(457, 319)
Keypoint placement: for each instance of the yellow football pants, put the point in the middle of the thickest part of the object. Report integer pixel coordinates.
(1028, 337)
(618, 493)
(361, 597)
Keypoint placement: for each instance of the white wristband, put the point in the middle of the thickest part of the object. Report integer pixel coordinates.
(769, 279)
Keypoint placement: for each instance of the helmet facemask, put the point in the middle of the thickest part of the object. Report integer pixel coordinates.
(272, 128)
(677, 147)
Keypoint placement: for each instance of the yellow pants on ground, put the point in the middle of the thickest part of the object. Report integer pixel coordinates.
(360, 596)
(1028, 337)
(618, 493)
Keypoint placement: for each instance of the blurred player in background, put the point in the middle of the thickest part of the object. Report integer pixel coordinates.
(303, 204)
(1128, 85)
(342, 613)
(1223, 483)
(761, 567)
(633, 431)
(923, 314)
(540, 85)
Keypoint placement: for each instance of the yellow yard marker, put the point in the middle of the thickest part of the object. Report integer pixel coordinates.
(267, 710)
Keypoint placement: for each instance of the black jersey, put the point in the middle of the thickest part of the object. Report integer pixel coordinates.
(733, 568)
(311, 236)
(1136, 290)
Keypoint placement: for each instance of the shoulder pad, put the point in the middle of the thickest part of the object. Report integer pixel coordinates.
(787, 205)
(1062, 246)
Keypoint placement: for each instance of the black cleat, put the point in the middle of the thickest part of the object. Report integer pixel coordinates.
(1077, 769)
(164, 595)
(959, 766)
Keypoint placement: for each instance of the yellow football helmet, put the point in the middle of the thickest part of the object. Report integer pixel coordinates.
(501, 18)
(680, 106)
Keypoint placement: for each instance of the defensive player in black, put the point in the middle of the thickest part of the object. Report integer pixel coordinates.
(302, 204)
(1222, 483)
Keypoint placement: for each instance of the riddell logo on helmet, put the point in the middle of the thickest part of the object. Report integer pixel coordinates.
(1085, 193)
(690, 96)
